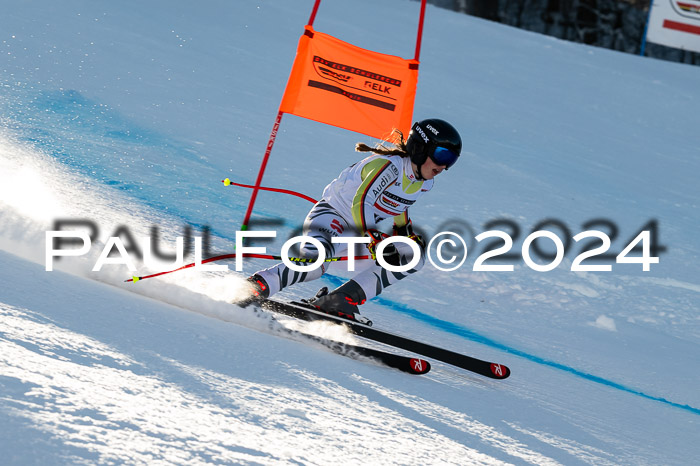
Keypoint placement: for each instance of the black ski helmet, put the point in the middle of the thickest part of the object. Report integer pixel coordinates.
(436, 139)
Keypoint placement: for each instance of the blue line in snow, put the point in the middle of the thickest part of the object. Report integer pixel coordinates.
(460, 330)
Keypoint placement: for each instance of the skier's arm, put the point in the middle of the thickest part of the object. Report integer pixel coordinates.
(404, 227)
(401, 220)
(377, 175)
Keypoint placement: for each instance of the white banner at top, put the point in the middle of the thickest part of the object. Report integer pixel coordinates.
(675, 23)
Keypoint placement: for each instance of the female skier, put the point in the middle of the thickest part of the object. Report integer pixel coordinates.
(382, 185)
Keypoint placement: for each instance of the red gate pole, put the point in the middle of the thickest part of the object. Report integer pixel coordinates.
(271, 142)
(420, 29)
(278, 120)
(313, 13)
(263, 165)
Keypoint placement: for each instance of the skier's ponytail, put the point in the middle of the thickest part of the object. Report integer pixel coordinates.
(399, 147)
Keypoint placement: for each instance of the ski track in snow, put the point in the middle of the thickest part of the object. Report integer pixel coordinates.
(98, 400)
(105, 403)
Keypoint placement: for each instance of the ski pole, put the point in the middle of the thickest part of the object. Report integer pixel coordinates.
(301, 260)
(228, 182)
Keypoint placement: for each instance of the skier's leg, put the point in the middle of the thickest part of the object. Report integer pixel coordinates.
(322, 223)
(376, 278)
(367, 284)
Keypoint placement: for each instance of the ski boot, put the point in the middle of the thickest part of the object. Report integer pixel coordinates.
(257, 291)
(342, 302)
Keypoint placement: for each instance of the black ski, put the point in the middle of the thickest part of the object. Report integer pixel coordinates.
(396, 361)
(306, 311)
(403, 363)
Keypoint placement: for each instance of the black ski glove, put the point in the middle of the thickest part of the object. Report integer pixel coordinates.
(407, 231)
(391, 255)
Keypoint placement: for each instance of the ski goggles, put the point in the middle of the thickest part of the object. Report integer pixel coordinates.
(444, 156)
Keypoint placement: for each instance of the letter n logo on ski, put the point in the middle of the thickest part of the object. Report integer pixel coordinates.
(500, 372)
(419, 366)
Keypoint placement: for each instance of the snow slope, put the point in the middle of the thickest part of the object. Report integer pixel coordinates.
(129, 116)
